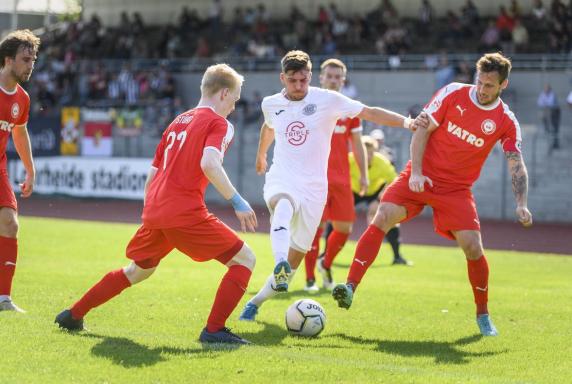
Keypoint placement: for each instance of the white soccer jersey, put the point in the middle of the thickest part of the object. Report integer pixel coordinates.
(303, 132)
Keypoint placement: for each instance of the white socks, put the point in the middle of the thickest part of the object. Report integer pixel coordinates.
(267, 291)
(4, 298)
(280, 230)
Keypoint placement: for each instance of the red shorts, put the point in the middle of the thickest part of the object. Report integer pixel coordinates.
(340, 203)
(453, 209)
(7, 197)
(211, 239)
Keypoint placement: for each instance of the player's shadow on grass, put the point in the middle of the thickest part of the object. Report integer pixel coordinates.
(130, 354)
(443, 352)
(272, 334)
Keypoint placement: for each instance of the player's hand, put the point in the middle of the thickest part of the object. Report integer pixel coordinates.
(524, 216)
(247, 220)
(421, 122)
(363, 185)
(27, 186)
(261, 164)
(417, 182)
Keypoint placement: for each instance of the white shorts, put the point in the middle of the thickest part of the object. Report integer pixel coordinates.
(307, 214)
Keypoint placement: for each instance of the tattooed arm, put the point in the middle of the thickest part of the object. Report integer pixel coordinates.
(519, 177)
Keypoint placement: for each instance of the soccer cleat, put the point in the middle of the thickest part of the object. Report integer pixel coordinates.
(401, 261)
(486, 325)
(8, 305)
(249, 312)
(281, 272)
(327, 279)
(311, 286)
(66, 321)
(223, 336)
(343, 294)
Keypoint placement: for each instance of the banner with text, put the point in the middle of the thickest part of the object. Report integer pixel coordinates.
(83, 177)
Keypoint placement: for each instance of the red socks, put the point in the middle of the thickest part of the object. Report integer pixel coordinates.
(479, 278)
(366, 252)
(312, 255)
(230, 291)
(8, 256)
(107, 288)
(335, 243)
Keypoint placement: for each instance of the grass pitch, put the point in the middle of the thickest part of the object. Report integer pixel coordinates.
(407, 325)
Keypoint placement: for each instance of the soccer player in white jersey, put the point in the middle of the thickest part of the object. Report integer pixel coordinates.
(302, 120)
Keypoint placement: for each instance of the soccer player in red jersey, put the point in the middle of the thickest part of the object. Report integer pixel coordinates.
(339, 207)
(17, 57)
(446, 159)
(188, 157)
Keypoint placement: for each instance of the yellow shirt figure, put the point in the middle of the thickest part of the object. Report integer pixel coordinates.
(380, 172)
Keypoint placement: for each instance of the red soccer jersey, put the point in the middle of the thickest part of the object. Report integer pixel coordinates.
(14, 109)
(338, 164)
(175, 197)
(466, 133)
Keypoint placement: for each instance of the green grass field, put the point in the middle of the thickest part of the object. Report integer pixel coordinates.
(407, 325)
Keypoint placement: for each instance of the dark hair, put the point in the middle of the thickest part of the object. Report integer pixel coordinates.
(495, 62)
(23, 38)
(296, 61)
(334, 63)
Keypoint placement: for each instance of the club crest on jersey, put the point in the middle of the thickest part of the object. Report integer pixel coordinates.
(15, 110)
(296, 133)
(310, 109)
(488, 127)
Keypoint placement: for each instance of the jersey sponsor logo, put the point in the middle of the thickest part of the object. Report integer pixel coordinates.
(6, 126)
(296, 133)
(461, 110)
(488, 127)
(279, 112)
(340, 129)
(15, 110)
(310, 109)
(465, 135)
(183, 119)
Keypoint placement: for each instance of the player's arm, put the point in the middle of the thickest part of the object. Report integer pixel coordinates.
(150, 176)
(24, 149)
(418, 144)
(519, 176)
(382, 116)
(211, 164)
(361, 160)
(264, 143)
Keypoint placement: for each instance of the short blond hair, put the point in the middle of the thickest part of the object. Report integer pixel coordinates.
(370, 142)
(334, 63)
(220, 76)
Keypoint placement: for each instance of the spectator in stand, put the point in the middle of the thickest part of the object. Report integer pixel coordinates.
(445, 74)
(425, 17)
(550, 114)
(515, 10)
(520, 37)
(490, 38)
(538, 12)
(464, 73)
(470, 19)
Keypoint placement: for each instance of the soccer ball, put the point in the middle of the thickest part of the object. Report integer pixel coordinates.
(305, 317)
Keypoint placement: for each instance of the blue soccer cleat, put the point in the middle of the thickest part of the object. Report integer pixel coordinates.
(344, 295)
(486, 325)
(281, 272)
(224, 336)
(249, 312)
